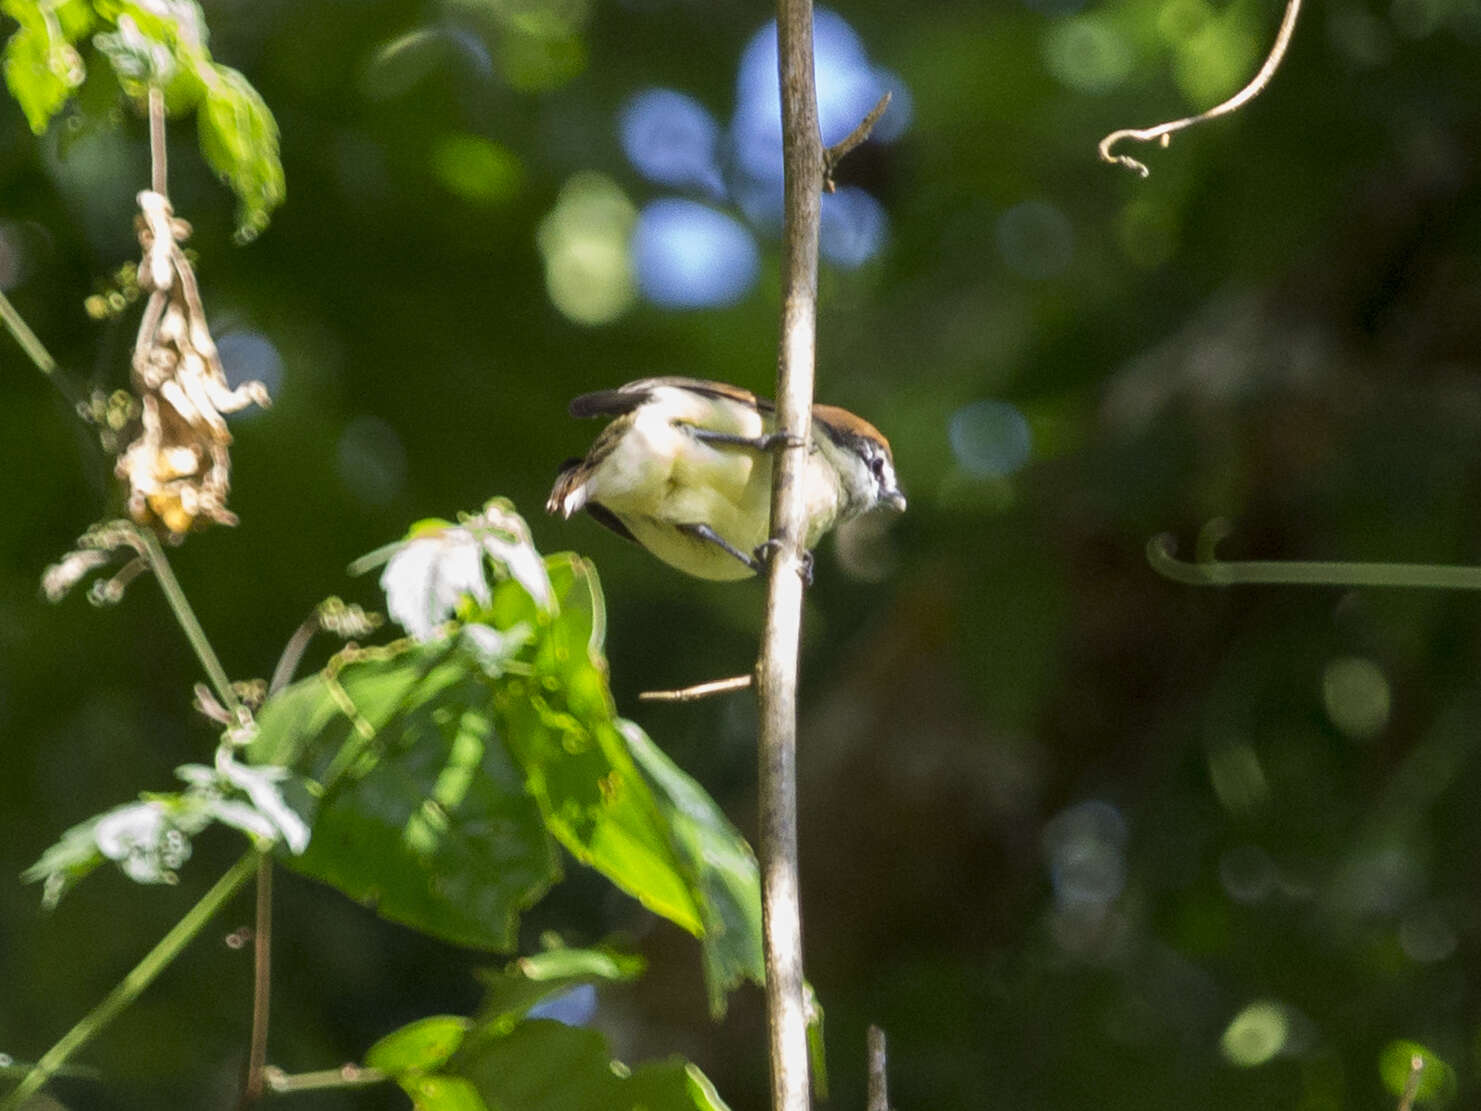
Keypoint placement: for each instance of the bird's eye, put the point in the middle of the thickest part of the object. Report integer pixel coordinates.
(876, 464)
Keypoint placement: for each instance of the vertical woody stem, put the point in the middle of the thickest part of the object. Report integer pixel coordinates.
(776, 670)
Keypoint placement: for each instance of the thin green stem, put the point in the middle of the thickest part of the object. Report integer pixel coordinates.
(132, 985)
(1216, 572)
(155, 554)
(347, 1076)
(32, 346)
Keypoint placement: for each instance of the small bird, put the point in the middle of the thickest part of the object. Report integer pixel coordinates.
(684, 469)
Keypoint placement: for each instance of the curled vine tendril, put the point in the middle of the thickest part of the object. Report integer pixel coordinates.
(1207, 570)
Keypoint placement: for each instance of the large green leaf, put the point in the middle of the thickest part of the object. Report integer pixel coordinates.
(505, 1062)
(421, 812)
(42, 66)
(561, 726)
(531, 980)
(239, 138)
(723, 864)
(543, 1065)
(420, 1046)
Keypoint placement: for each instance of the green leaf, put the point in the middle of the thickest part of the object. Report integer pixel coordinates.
(422, 813)
(442, 1093)
(67, 863)
(422, 1045)
(239, 139)
(547, 1066)
(42, 66)
(561, 727)
(164, 43)
(531, 980)
(722, 863)
(817, 1053)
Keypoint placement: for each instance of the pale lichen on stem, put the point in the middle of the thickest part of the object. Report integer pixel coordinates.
(1163, 132)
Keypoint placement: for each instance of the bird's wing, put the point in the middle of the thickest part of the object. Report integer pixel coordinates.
(624, 399)
(605, 517)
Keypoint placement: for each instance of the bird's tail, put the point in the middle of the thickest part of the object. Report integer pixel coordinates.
(569, 493)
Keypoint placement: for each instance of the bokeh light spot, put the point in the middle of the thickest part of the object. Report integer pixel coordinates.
(1237, 776)
(1417, 19)
(853, 226)
(246, 355)
(671, 139)
(575, 1006)
(1085, 845)
(1087, 53)
(1426, 935)
(1180, 20)
(1035, 240)
(1436, 1078)
(1356, 696)
(688, 255)
(584, 241)
(476, 169)
(403, 62)
(14, 258)
(991, 439)
(1247, 874)
(1219, 58)
(1257, 1034)
(1148, 232)
(372, 460)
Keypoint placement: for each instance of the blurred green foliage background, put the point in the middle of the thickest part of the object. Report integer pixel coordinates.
(1073, 834)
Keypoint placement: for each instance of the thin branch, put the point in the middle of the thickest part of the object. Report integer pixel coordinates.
(346, 1076)
(132, 985)
(159, 161)
(776, 669)
(698, 691)
(149, 547)
(841, 149)
(1163, 133)
(1411, 1086)
(262, 934)
(879, 1097)
(1214, 572)
(262, 964)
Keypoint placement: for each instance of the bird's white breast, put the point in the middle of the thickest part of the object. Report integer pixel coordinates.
(659, 476)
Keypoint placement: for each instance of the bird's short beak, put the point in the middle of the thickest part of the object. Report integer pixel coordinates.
(894, 499)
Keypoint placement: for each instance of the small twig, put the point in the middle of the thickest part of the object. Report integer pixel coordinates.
(698, 691)
(346, 1076)
(1213, 572)
(835, 154)
(262, 936)
(1162, 133)
(132, 985)
(293, 653)
(879, 1098)
(159, 163)
(1411, 1086)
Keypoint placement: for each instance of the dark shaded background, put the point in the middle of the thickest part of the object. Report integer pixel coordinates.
(1062, 819)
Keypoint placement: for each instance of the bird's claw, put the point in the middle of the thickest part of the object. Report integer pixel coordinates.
(769, 548)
